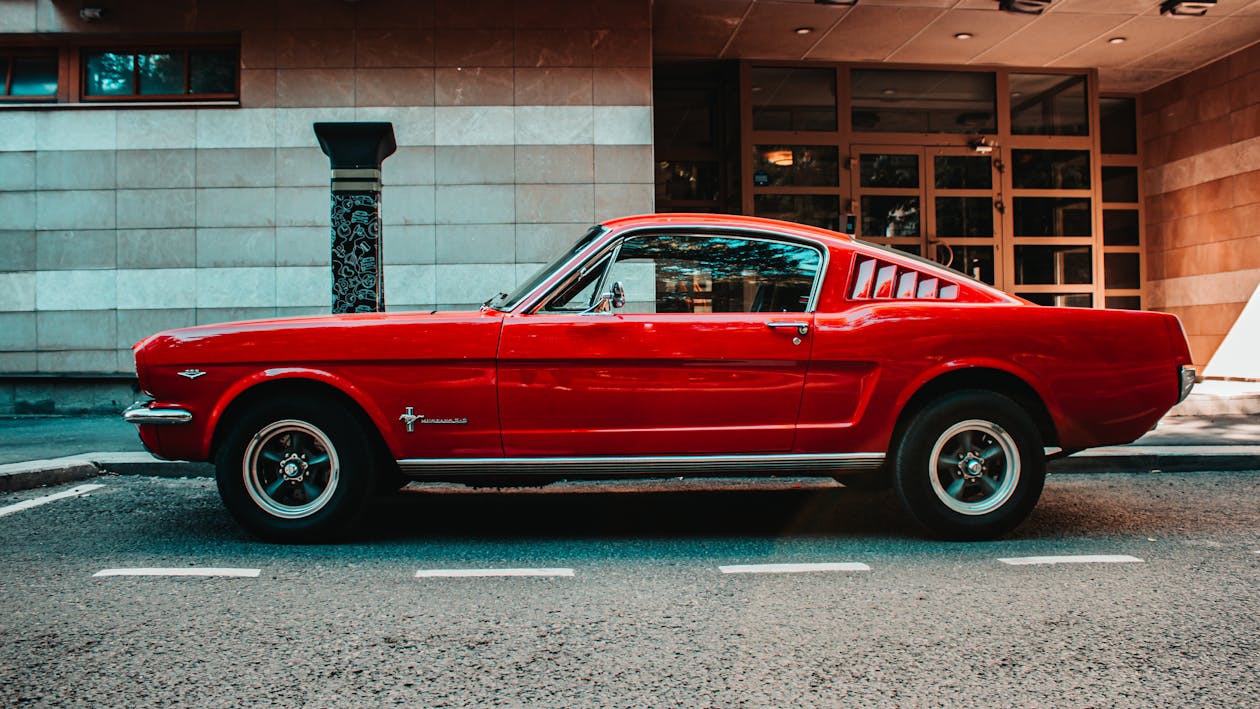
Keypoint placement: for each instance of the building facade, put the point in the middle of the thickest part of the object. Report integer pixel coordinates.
(158, 166)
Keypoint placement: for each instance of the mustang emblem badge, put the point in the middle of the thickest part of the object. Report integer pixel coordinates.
(192, 373)
(410, 419)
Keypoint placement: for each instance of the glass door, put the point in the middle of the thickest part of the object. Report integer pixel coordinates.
(941, 203)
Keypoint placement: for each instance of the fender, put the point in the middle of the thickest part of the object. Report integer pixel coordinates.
(244, 384)
(957, 365)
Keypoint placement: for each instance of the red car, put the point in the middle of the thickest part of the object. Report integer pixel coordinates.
(668, 345)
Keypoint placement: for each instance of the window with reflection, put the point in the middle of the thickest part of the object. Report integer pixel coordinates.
(1049, 104)
(889, 215)
(888, 170)
(29, 76)
(1118, 125)
(793, 98)
(1060, 300)
(1053, 265)
(964, 216)
(1050, 169)
(1053, 216)
(1120, 184)
(714, 274)
(973, 260)
(796, 166)
(1120, 227)
(686, 180)
(904, 101)
(963, 172)
(818, 210)
(180, 73)
(1122, 270)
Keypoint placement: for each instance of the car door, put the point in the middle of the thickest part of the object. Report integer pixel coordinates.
(707, 355)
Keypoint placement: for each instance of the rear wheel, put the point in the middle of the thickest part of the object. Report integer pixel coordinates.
(969, 466)
(296, 470)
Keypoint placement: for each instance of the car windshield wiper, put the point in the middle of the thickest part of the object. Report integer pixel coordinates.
(493, 298)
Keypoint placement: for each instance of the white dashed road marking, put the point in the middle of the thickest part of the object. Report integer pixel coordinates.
(792, 568)
(1078, 559)
(477, 573)
(36, 502)
(181, 571)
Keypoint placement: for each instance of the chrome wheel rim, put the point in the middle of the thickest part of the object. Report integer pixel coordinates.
(291, 469)
(975, 467)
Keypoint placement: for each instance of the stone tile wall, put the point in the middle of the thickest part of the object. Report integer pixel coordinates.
(519, 124)
(1201, 143)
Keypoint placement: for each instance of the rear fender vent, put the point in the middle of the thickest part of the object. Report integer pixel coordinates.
(876, 279)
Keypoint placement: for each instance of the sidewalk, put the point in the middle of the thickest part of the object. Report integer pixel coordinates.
(47, 450)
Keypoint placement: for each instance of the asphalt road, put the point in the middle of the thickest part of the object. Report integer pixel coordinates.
(648, 618)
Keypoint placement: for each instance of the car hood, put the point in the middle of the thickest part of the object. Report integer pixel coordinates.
(296, 340)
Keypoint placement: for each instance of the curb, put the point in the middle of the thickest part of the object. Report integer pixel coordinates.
(1146, 459)
(38, 473)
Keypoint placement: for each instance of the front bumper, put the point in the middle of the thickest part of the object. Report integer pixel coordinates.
(142, 412)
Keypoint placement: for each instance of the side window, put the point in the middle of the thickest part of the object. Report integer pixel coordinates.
(714, 274)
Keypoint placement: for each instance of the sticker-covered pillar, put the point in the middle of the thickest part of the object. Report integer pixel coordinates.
(355, 152)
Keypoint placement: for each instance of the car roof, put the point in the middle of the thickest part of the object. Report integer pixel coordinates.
(729, 221)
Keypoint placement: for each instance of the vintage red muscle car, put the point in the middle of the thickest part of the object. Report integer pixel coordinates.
(668, 345)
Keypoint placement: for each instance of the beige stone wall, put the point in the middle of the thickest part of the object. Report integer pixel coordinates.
(519, 125)
(1201, 154)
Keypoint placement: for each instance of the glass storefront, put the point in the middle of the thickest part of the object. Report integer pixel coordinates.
(1023, 179)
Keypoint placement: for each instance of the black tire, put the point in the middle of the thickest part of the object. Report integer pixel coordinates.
(298, 469)
(969, 466)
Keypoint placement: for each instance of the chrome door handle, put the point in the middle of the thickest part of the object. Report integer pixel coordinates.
(802, 328)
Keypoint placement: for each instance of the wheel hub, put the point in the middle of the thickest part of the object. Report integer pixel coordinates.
(293, 468)
(971, 467)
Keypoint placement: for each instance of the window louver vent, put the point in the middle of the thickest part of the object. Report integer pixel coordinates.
(875, 279)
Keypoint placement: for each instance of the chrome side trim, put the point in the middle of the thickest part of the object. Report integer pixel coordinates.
(140, 413)
(647, 466)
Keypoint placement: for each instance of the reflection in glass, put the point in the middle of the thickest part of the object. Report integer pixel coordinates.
(212, 72)
(712, 274)
(889, 170)
(888, 215)
(161, 74)
(691, 180)
(975, 261)
(906, 101)
(110, 74)
(1049, 104)
(1053, 265)
(1050, 169)
(907, 248)
(1061, 300)
(684, 117)
(1124, 302)
(32, 76)
(1120, 227)
(1118, 117)
(1120, 184)
(1122, 270)
(1052, 216)
(797, 166)
(792, 98)
(964, 216)
(963, 172)
(815, 209)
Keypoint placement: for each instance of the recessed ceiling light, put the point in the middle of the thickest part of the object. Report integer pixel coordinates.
(964, 35)
(803, 30)
(889, 92)
(1117, 40)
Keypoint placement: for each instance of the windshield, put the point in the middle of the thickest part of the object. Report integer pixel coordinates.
(506, 301)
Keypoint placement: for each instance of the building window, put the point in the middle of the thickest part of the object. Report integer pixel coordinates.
(29, 76)
(901, 101)
(197, 73)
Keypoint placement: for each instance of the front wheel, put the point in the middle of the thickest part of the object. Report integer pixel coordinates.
(969, 466)
(296, 470)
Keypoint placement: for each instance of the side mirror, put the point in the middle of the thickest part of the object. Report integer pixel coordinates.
(618, 295)
(604, 304)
